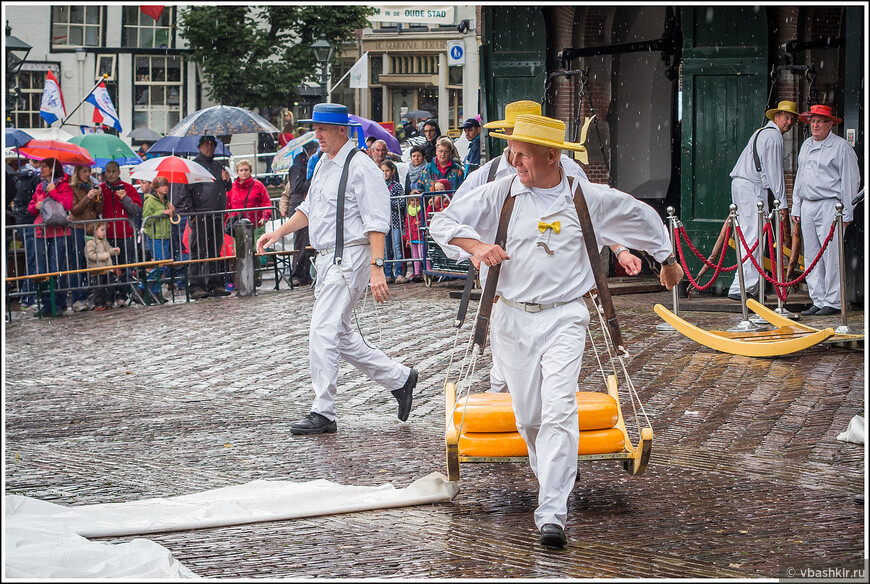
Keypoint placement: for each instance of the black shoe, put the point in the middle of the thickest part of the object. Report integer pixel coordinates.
(217, 291)
(199, 294)
(827, 311)
(405, 395)
(553, 535)
(314, 423)
(735, 297)
(811, 311)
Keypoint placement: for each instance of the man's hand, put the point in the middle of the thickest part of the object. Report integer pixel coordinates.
(796, 219)
(378, 284)
(267, 240)
(487, 254)
(225, 175)
(629, 262)
(671, 275)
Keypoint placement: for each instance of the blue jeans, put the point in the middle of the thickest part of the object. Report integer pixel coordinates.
(51, 257)
(161, 249)
(77, 260)
(393, 251)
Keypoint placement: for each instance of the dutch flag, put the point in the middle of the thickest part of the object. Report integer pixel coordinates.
(103, 104)
(52, 107)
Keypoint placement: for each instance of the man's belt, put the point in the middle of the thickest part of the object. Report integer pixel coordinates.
(329, 250)
(531, 306)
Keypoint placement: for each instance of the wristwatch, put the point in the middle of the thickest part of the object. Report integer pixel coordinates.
(670, 261)
(619, 250)
(379, 262)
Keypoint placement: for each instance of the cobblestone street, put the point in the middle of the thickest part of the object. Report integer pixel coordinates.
(746, 477)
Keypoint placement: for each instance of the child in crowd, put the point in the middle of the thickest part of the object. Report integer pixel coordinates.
(99, 253)
(413, 237)
(157, 231)
(438, 202)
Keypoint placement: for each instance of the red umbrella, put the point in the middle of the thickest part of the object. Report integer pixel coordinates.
(175, 169)
(63, 152)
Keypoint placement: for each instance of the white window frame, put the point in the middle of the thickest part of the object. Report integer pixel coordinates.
(58, 27)
(163, 108)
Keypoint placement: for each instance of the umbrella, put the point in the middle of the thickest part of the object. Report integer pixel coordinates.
(16, 137)
(176, 170)
(106, 147)
(284, 157)
(222, 120)
(144, 134)
(63, 152)
(372, 128)
(184, 145)
(417, 115)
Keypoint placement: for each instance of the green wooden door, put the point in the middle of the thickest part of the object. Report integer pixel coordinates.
(512, 60)
(724, 95)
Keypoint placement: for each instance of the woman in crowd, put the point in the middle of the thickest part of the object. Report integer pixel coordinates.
(415, 170)
(51, 241)
(445, 165)
(248, 192)
(86, 206)
(394, 271)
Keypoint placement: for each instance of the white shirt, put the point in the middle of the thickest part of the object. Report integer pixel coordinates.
(367, 202)
(769, 148)
(479, 176)
(532, 275)
(827, 169)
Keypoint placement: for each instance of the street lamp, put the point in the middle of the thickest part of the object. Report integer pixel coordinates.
(323, 52)
(16, 53)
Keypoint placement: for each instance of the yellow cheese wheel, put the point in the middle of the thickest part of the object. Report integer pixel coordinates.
(492, 412)
(505, 444)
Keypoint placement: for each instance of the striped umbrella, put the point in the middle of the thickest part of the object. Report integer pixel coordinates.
(284, 157)
(176, 170)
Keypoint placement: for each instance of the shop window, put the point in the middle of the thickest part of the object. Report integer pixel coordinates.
(76, 26)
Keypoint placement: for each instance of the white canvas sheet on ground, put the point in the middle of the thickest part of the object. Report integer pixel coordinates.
(32, 524)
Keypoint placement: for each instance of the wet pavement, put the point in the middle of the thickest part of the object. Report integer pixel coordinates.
(746, 477)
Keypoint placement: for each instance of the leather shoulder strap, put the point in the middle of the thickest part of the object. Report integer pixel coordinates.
(472, 271)
(486, 299)
(755, 157)
(595, 262)
(339, 210)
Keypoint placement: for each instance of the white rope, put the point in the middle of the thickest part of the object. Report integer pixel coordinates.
(353, 307)
(466, 371)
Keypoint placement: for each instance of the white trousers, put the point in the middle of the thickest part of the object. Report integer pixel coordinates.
(539, 355)
(332, 334)
(824, 281)
(745, 194)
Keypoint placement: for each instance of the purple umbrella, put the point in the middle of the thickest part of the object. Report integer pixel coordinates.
(371, 128)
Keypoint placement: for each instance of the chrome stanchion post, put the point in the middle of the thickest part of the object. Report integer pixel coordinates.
(843, 329)
(744, 325)
(759, 252)
(672, 224)
(780, 309)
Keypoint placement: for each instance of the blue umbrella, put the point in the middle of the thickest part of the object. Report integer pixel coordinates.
(372, 128)
(185, 145)
(15, 137)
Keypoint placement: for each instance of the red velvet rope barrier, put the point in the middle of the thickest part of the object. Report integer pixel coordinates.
(800, 278)
(782, 294)
(718, 267)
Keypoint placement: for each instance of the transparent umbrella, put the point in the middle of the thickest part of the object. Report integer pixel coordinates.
(222, 120)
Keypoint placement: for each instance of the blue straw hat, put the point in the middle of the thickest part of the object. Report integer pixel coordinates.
(335, 114)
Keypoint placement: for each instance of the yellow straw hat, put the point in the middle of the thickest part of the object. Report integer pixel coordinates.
(783, 106)
(540, 130)
(512, 110)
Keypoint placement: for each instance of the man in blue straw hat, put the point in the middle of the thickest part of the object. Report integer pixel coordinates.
(347, 212)
(539, 322)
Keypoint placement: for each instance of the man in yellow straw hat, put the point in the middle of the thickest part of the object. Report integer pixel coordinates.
(757, 174)
(501, 166)
(539, 323)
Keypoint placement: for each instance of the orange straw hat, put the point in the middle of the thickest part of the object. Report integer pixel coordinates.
(819, 110)
(783, 106)
(511, 111)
